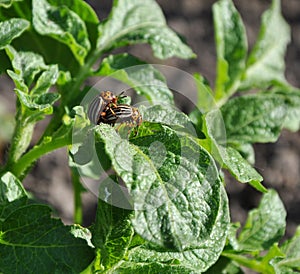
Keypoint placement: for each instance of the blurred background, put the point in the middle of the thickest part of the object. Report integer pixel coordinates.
(279, 163)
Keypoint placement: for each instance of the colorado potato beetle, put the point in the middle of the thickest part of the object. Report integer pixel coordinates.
(98, 106)
(121, 113)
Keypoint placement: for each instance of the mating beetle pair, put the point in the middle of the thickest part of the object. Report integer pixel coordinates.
(105, 109)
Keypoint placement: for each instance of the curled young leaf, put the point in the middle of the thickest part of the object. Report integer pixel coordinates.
(138, 21)
(62, 24)
(11, 29)
(231, 43)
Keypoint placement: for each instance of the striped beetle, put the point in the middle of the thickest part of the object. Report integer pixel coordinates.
(100, 104)
(121, 113)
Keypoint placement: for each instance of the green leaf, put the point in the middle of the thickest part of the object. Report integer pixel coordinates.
(47, 79)
(153, 267)
(167, 115)
(266, 61)
(254, 118)
(12, 194)
(112, 231)
(258, 263)
(215, 133)
(92, 166)
(62, 137)
(265, 225)
(63, 25)
(85, 158)
(138, 21)
(83, 233)
(231, 43)
(46, 99)
(205, 100)
(240, 168)
(227, 156)
(273, 254)
(291, 249)
(292, 102)
(8, 3)
(144, 78)
(86, 147)
(11, 29)
(42, 104)
(197, 119)
(32, 241)
(31, 107)
(81, 8)
(247, 152)
(173, 182)
(26, 66)
(148, 258)
(11, 189)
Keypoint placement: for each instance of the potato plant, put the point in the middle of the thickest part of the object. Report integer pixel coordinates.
(167, 172)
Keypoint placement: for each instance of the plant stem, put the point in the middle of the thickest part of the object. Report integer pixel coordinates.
(249, 263)
(21, 138)
(16, 147)
(36, 152)
(77, 188)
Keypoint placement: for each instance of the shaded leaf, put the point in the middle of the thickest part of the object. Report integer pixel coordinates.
(112, 231)
(215, 133)
(224, 266)
(137, 21)
(44, 244)
(31, 107)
